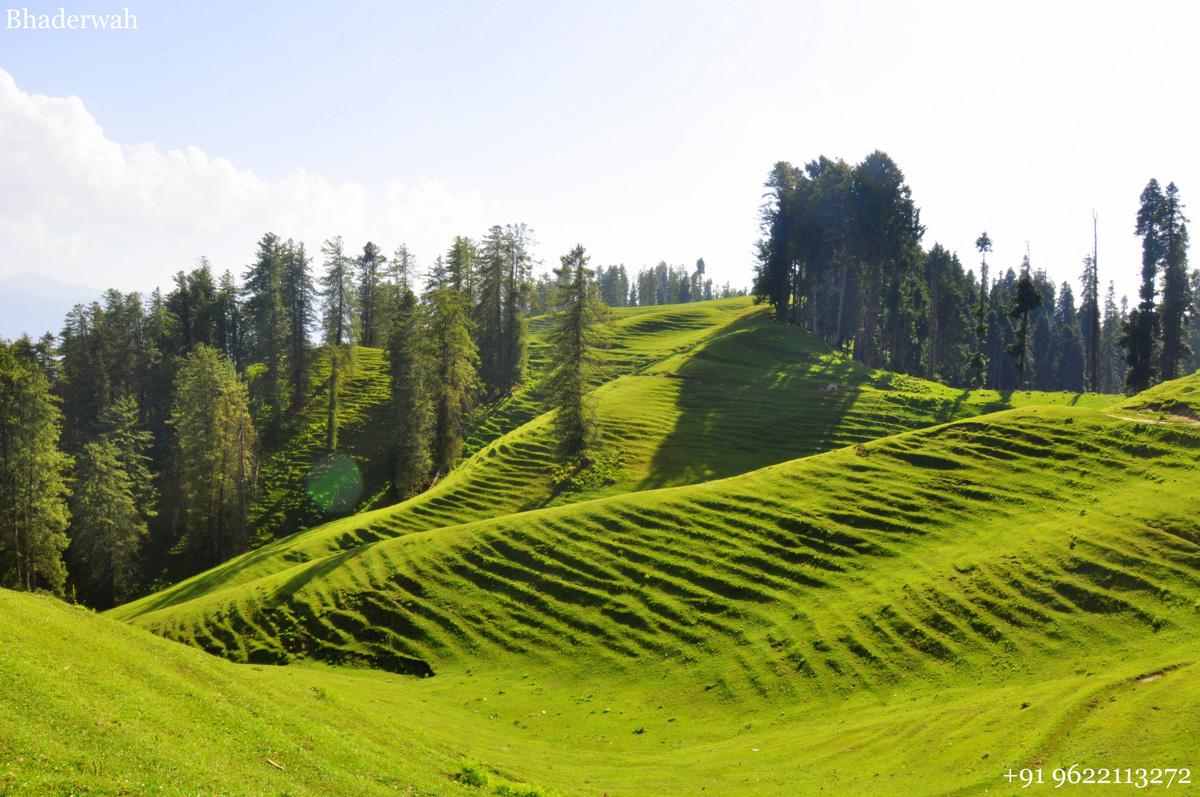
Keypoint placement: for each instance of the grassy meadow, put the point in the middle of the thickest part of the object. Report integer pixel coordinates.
(782, 573)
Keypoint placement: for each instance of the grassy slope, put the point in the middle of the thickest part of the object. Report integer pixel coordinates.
(700, 391)
(1076, 515)
(992, 592)
(282, 504)
(91, 705)
(128, 712)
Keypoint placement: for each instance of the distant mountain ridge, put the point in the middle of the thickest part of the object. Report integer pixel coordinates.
(35, 304)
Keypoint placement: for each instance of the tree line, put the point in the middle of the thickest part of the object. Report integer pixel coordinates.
(659, 284)
(130, 443)
(841, 256)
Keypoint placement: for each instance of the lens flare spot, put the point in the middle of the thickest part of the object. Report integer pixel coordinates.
(334, 484)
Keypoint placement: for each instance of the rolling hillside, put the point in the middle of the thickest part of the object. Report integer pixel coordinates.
(282, 503)
(1015, 589)
(955, 545)
(701, 392)
(795, 576)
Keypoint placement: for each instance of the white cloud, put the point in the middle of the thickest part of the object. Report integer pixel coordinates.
(92, 210)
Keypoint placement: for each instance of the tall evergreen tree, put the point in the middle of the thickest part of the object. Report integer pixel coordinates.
(1112, 364)
(773, 281)
(887, 225)
(267, 314)
(107, 528)
(1027, 299)
(1069, 358)
(574, 340)
(456, 378)
(489, 312)
(403, 270)
(1141, 328)
(1175, 353)
(337, 290)
(121, 425)
(399, 277)
(215, 464)
(518, 261)
(461, 268)
(193, 303)
(33, 490)
(299, 301)
(503, 279)
(411, 364)
(228, 330)
(979, 360)
(369, 266)
(1042, 368)
(1089, 313)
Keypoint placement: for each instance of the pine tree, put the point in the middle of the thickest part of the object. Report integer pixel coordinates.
(979, 360)
(1141, 328)
(462, 268)
(121, 426)
(1042, 367)
(1027, 299)
(194, 305)
(337, 290)
(403, 270)
(574, 339)
(778, 219)
(369, 265)
(887, 223)
(215, 445)
(411, 409)
(518, 240)
(267, 316)
(228, 331)
(1112, 367)
(489, 312)
(1089, 313)
(107, 528)
(503, 280)
(456, 378)
(1069, 356)
(33, 490)
(299, 298)
(1175, 353)
(398, 278)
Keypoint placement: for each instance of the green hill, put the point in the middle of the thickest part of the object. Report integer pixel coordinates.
(1005, 535)
(97, 707)
(281, 503)
(912, 615)
(701, 391)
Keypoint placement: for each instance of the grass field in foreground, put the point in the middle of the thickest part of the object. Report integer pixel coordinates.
(93, 706)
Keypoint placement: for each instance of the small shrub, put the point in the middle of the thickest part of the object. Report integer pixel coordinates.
(508, 790)
(471, 776)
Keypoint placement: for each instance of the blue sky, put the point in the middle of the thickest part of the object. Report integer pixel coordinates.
(643, 130)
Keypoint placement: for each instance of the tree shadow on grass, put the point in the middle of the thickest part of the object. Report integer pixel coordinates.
(758, 394)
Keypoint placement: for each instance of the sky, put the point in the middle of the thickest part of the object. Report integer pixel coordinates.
(643, 130)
